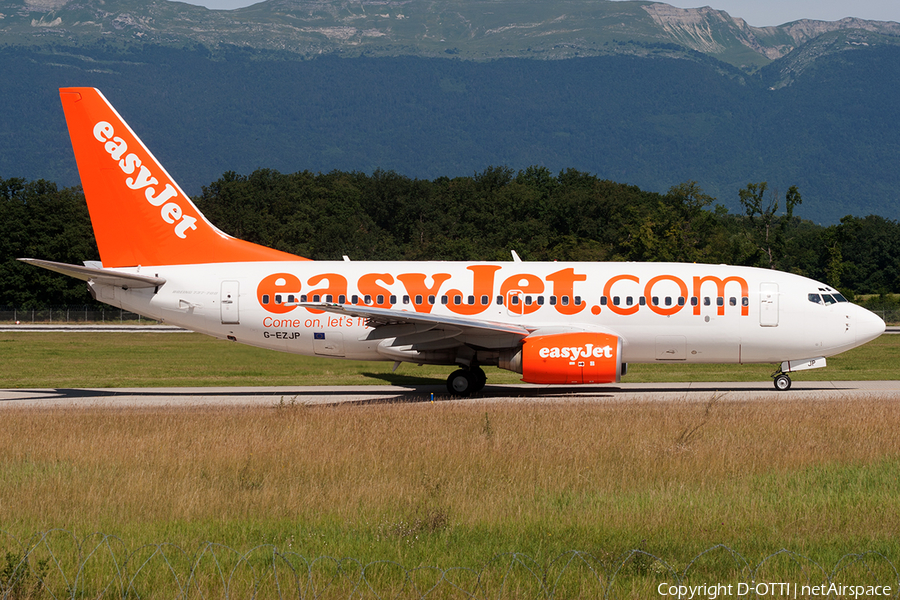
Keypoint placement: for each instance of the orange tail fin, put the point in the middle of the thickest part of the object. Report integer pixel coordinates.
(139, 214)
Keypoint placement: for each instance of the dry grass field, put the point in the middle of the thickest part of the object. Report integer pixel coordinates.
(452, 485)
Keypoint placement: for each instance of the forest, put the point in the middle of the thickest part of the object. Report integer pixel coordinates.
(542, 216)
(650, 122)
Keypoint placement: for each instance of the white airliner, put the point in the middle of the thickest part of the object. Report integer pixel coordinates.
(553, 322)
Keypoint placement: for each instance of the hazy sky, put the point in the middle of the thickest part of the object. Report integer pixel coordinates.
(757, 12)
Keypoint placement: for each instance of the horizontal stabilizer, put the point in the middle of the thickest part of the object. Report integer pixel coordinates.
(101, 276)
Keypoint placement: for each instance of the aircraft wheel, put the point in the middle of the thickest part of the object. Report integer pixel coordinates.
(461, 383)
(782, 382)
(480, 379)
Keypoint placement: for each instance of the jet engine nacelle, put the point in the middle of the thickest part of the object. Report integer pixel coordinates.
(584, 357)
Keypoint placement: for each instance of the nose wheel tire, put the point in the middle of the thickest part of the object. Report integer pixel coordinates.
(782, 382)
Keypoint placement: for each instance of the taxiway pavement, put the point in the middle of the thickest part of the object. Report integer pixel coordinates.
(287, 396)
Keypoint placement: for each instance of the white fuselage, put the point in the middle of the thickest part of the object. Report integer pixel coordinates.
(663, 312)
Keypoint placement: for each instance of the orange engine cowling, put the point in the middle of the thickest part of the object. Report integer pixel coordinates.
(569, 358)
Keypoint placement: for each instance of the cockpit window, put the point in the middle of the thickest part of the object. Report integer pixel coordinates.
(840, 298)
(815, 298)
(829, 299)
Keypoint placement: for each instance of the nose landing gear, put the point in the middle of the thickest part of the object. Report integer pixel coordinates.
(782, 382)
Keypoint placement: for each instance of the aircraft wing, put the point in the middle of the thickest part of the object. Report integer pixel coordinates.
(101, 276)
(425, 329)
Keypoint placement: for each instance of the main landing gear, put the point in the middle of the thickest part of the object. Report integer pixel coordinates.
(463, 382)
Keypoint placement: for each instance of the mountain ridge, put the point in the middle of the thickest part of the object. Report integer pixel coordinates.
(469, 29)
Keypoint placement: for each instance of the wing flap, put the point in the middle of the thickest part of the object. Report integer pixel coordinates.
(398, 330)
(382, 317)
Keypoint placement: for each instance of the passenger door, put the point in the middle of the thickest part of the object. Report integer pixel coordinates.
(768, 305)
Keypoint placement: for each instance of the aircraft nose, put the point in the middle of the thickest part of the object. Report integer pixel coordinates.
(868, 325)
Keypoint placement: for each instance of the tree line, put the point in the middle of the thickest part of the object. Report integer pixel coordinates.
(569, 216)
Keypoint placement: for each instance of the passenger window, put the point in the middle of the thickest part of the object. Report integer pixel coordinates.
(277, 298)
(629, 301)
(577, 300)
(565, 300)
(471, 300)
(444, 300)
(681, 301)
(706, 301)
(393, 299)
(265, 298)
(457, 299)
(668, 301)
(732, 301)
(552, 300)
(418, 298)
(615, 300)
(303, 298)
(485, 300)
(514, 300)
(499, 300)
(695, 300)
(431, 299)
(603, 300)
(367, 299)
(720, 301)
(328, 298)
(655, 300)
(642, 301)
(540, 300)
(354, 299)
(379, 299)
(342, 299)
(745, 301)
(527, 300)
(290, 297)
